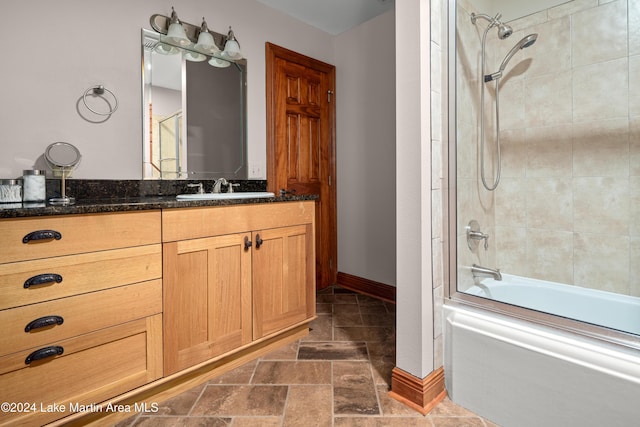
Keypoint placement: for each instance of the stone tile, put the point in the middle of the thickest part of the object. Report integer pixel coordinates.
(602, 262)
(182, 422)
(276, 390)
(337, 299)
(381, 422)
(346, 315)
(373, 309)
(368, 300)
(240, 375)
(306, 372)
(549, 204)
(245, 400)
(286, 352)
(299, 411)
(353, 389)
(446, 408)
(548, 100)
(549, 151)
(181, 404)
(594, 97)
(599, 34)
(257, 422)
(391, 307)
(380, 334)
(324, 308)
(383, 360)
(601, 148)
(457, 422)
(382, 319)
(333, 351)
(391, 406)
(601, 205)
(320, 329)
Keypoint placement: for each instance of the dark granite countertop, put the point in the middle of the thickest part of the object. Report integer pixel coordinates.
(132, 196)
(130, 204)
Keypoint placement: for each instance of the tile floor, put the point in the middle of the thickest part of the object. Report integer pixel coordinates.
(337, 376)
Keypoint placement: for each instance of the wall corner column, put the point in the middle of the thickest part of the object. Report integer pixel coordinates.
(416, 381)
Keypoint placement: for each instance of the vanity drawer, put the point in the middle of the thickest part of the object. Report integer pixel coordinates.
(78, 274)
(68, 317)
(184, 224)
(74, 234)
(92, 368)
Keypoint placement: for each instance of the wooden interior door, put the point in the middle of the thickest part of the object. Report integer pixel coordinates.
(301, 142)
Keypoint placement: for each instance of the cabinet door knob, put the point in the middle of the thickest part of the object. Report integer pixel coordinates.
(43, 322)
(43, 353)
(247, 243)
(41, 279)
(42, 235)
(258, 241)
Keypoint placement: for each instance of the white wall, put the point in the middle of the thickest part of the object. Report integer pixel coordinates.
(365, 94)
(415, 318)
(57, 50)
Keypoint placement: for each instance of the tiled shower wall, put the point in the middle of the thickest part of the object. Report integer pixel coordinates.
(439, 186)
(568, 206)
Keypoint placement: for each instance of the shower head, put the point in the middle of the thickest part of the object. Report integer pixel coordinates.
(524, 43)
(504, 30)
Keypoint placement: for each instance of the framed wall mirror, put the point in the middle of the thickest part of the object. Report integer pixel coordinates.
(194, 114)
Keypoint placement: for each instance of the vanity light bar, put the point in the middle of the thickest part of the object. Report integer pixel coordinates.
(160, 24)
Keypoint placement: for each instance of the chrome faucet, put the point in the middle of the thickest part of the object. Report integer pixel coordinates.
(474, 235)
(217, 185)
(199, 185)
(479, 271)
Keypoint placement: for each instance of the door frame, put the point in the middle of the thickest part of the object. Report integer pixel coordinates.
(329, 237)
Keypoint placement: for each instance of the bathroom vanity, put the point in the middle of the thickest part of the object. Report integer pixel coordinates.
(122, 304)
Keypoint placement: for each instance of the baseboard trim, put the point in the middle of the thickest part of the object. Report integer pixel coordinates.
(367, 287)
(420, 394)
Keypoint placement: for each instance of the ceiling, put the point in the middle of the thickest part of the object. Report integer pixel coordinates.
(332, 16)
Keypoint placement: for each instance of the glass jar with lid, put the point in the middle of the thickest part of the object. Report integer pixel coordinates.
(34, 185)
(10, 191)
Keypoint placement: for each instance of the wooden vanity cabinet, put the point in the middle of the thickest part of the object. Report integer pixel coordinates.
(234, 275)
(80, 309)
(207, 297)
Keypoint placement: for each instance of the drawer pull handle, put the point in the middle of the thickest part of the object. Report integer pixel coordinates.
(258, 241)
(43, 322)
(247, 243)
(41, 279)
(41, 235)
(43, 353)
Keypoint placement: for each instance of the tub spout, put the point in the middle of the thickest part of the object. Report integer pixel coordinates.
(479, 271)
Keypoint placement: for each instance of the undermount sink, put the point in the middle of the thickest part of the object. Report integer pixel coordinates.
(225, 196)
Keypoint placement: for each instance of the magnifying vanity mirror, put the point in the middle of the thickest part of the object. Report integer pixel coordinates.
(62, 158)
(194, 114)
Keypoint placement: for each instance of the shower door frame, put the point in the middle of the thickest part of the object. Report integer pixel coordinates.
(452, 295)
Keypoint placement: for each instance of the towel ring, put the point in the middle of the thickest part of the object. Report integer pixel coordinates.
(99, 90)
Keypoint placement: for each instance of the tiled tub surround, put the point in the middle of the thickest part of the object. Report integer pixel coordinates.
(568, 206)
(337, 376)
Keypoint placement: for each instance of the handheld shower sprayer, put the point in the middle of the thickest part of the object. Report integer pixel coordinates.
(504, 31)
(524, 43)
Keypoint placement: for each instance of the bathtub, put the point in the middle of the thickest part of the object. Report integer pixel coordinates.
(615, 311)
(523, 373)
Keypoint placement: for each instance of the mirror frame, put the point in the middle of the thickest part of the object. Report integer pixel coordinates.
(241, 170)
